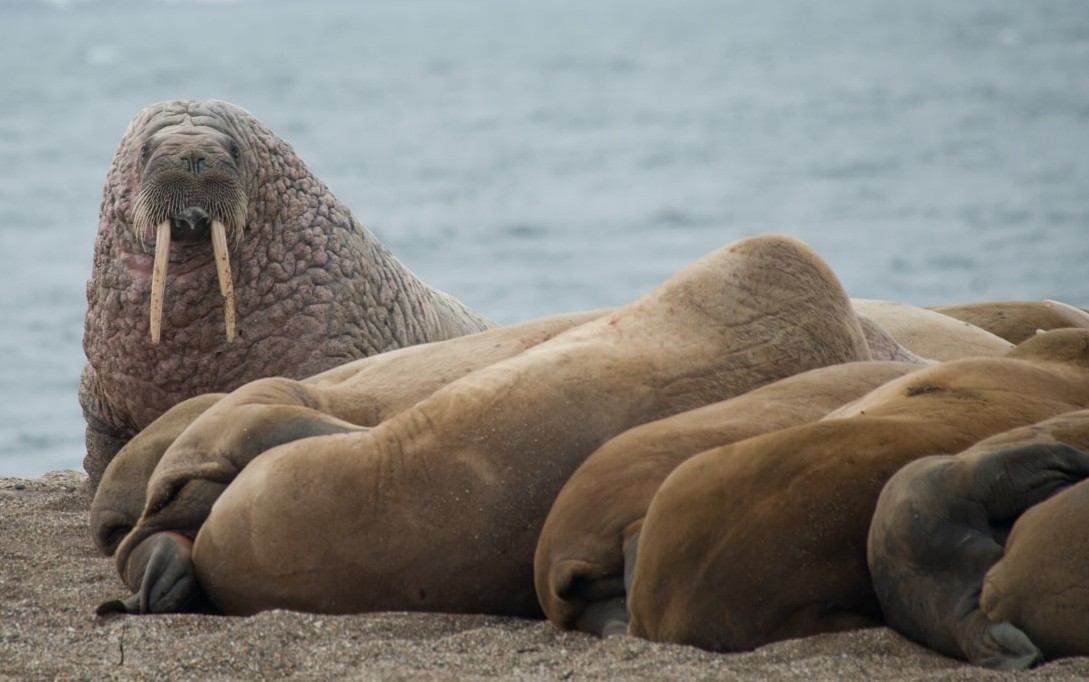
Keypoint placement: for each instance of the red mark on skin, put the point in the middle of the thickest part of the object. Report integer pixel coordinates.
(613, 322)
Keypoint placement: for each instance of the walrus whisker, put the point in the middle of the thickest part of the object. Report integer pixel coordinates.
(223, 267)
(142, 218)
(158, 278)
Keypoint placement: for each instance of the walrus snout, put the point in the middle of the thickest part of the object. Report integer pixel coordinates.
(193, 160)
(191, 225)
(191, 189)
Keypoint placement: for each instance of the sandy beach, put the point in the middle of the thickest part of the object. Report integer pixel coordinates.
(52, 578)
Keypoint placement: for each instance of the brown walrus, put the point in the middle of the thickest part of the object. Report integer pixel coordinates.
(1016, 321)
(439, 507)
(938, 538)
(930, 334)
(765, 539)
(579, 565)
(212, 230)
(360, 393)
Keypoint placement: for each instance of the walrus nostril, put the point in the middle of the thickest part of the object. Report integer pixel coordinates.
(192, 224)
(193, 161)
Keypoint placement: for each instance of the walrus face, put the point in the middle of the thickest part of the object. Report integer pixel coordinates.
(190, 192)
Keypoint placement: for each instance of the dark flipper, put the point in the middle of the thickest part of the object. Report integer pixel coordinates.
(1007, 482)
(160, 571)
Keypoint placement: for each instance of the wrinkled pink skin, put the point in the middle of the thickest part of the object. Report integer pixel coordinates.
(313, 288)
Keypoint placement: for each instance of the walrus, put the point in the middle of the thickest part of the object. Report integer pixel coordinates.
(579, 562)
(766, 539)
(946, 574)
(439, 507)
(1016, 321)
(931, 334)
(220, 258)
(360, 393)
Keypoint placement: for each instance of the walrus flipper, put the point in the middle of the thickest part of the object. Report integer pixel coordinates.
(1009, 481)
(161, 569)
(604, 618)
(999, 646)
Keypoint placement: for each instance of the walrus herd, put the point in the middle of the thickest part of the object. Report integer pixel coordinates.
(280, 415)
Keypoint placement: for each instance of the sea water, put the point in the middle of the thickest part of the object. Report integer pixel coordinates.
(538, 157)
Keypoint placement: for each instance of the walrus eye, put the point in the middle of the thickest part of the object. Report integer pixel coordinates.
(145, 151)
(236, 153)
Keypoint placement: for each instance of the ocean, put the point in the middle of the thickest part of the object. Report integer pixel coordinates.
(540, 157)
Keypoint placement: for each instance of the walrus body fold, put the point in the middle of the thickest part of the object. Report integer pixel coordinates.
(220, 258)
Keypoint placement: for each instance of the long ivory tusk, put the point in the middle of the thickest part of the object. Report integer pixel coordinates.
(1075, 316)
(158, 278)
(223, 267)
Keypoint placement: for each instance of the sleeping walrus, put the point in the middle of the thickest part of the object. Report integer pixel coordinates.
(439, 507)
(765, 539)
(221, 258)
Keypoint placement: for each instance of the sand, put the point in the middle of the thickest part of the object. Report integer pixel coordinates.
(52, 578)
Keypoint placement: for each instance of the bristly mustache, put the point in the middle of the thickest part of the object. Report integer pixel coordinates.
(165, 195)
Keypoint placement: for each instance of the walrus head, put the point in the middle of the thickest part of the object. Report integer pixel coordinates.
(190, 193)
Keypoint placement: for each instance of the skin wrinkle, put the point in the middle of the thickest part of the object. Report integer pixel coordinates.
(306, 287)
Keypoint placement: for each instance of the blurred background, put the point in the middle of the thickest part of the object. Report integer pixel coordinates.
(538, 157)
